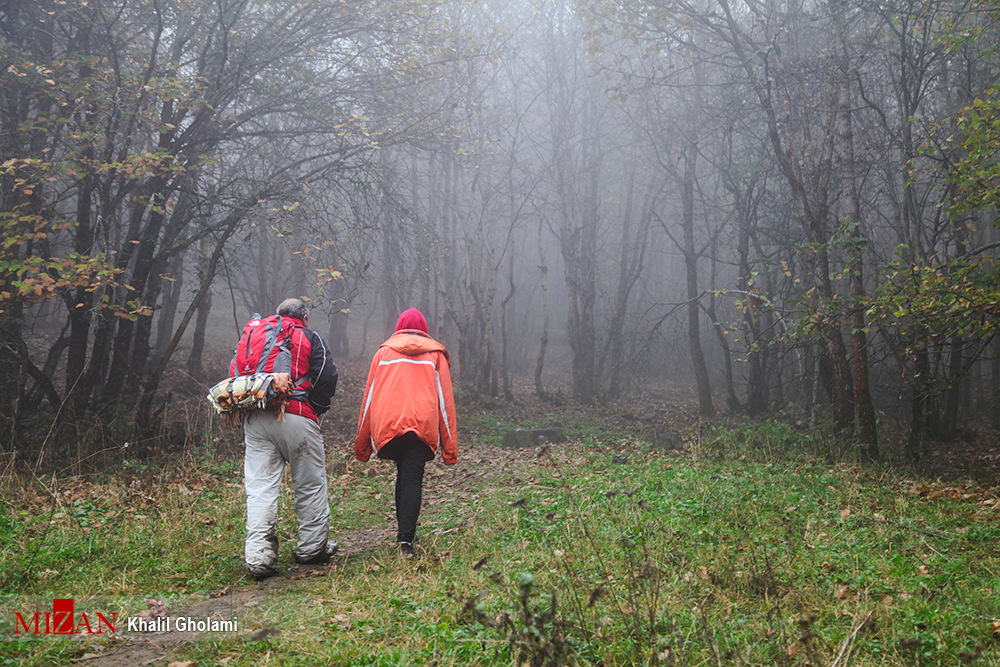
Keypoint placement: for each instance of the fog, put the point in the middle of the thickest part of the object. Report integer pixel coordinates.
(586, 199)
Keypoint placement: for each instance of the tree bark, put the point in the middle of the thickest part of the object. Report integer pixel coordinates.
(915, 443)
(705, 404)
(338, 341)
(543, 269)
(508, 392)
(864, 408)
(195, 358)
(171, 301)
(994, 397)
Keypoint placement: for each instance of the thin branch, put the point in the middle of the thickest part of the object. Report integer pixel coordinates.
(850, 638)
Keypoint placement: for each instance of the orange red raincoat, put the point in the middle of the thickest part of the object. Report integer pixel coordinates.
(408, 391)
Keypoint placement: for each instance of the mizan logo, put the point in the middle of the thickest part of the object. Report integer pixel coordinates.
(62, 621)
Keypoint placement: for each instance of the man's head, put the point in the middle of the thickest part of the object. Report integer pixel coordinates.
(294, 308)
(411, 318)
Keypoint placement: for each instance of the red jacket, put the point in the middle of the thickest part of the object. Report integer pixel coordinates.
(408, 391)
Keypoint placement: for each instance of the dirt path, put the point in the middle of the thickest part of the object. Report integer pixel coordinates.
(455, 489)
(142, 649)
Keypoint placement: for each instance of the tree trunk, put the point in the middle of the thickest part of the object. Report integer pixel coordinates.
(865, 409)
(867, 431)
(171, 300)
(705, 405)
(337, 340)
(915, 443)
(543, 268)
(949, 416)
(994, 397)
(194, 360)
(578, 204)
(732, 401)
(123, 373)
(34, 397)
(504, 343)
(82, 300)
(632, 257)
(756, 391)
(90, 384)
(10, 392)
(811, 371)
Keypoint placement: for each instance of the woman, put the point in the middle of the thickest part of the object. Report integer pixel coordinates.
(408, 413)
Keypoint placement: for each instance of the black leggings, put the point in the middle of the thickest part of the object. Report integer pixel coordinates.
(411, 455)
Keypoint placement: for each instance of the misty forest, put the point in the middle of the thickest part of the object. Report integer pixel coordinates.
(724, 223)
(786, 208)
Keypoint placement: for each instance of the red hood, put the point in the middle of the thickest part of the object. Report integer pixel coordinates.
(411, 318)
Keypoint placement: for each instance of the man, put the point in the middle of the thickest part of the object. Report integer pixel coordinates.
(408, 412)
(294, 438)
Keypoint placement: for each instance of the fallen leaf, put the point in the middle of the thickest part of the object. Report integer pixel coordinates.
(923, 571)
(842, 592)
(219, 593)
(310, 573)
(844, 513)
(155, 608)
(341, 621)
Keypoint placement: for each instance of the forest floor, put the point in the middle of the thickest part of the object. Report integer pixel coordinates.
(654, 559)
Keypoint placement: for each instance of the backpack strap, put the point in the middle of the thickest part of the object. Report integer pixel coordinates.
(288, 340)
(269, 343)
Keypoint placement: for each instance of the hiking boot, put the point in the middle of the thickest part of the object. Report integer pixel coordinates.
(406, 550)
(259, 571)
(323, 556)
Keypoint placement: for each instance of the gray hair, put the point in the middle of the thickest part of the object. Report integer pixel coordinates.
(293, 308)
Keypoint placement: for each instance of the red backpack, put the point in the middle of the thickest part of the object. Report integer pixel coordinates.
(264, 347)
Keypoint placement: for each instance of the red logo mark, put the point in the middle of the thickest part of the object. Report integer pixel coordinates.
(62, 621)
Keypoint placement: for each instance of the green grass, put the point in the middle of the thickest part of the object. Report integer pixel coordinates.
(770, 547)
